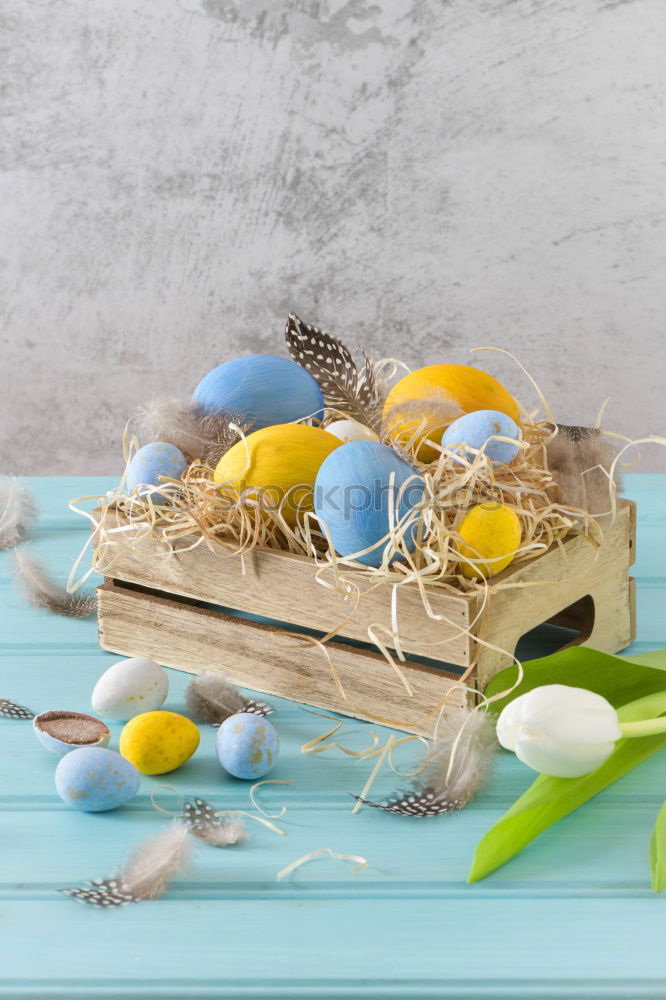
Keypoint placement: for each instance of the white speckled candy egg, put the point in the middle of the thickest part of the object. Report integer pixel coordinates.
(350, 430)
(129, 688)
(149, 463)
(247, 745)
(479, 428)
(94, 779)
(263, 389)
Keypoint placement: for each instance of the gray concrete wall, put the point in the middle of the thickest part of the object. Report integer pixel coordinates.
(420, 177)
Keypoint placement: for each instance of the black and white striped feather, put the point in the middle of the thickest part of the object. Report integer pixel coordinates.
(345, 388)
(444, 786)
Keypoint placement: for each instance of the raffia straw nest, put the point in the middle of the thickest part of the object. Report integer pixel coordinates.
(199, 511)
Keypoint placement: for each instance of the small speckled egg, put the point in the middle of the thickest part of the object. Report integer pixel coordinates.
(61, 732)
(474, 430)
(352, 494)
(263, 389)
(247, 745)
(149, 463)
(350, 430)
(277, 466)
(491, 531)
(94, 779)
(157, 742)
(129, 688)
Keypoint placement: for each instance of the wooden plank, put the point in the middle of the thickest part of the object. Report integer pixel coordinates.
(178, 634)
(282, 586)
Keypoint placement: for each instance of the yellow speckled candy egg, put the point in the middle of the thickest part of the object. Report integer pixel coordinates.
(440, 394)
(157, 742)
(492, 532)
(279, 465)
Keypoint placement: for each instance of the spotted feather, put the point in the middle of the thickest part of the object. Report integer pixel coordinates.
(345, 388)
(10, 710)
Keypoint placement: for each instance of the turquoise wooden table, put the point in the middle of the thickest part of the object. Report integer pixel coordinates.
(572, 916)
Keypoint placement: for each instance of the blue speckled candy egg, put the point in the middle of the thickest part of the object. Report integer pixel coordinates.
(94, 779)
(352, 494)
(152, 461)
(247, 745)
(262, 389)
(474, 429)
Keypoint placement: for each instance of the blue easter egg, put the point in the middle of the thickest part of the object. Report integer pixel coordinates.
(474, 431)
(94, 779)
(262, 389)
(247, 745)
(150, 462)
(352, 493)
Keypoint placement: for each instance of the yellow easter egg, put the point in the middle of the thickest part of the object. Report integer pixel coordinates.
(157, 742)
(440, 394)
(278, 466)
(492, 532)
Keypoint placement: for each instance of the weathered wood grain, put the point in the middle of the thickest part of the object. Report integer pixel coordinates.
(178, 634)
(283, 587)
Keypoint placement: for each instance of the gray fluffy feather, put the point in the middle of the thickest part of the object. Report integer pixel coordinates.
(41, 591)
(437, 791)
(198, 434)
(209, 698)
(17, 512)
(156, 861)
(576, 458)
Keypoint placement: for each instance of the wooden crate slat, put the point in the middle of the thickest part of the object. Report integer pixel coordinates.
(281, 586)
(178, 634)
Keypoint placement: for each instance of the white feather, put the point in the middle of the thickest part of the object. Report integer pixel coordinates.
(17, 511)
(224, 834)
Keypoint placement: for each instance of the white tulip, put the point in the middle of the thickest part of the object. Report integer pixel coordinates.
(350, 430)
(559, 730)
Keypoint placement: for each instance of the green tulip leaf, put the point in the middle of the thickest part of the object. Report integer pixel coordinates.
(617, 679)
(549, 799)
(658, 852)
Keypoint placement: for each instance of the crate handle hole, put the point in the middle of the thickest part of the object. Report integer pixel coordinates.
(569, 627)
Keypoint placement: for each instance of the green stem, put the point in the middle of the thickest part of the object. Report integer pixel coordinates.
(646, 727)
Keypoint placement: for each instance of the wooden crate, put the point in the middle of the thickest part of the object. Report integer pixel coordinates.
(185, 611)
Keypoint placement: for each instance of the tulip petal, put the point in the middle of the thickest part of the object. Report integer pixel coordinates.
(549, 799)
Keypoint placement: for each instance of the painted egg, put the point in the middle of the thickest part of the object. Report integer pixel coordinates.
(157, 742)
(277, 466)
(62, 732)
(479, 428)
(353, 494)
(438, 395)
(94, 779)
(129, 688)
(350, 430)
(491, 532)
(149, 463)
(247, 745)
(262, 389)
